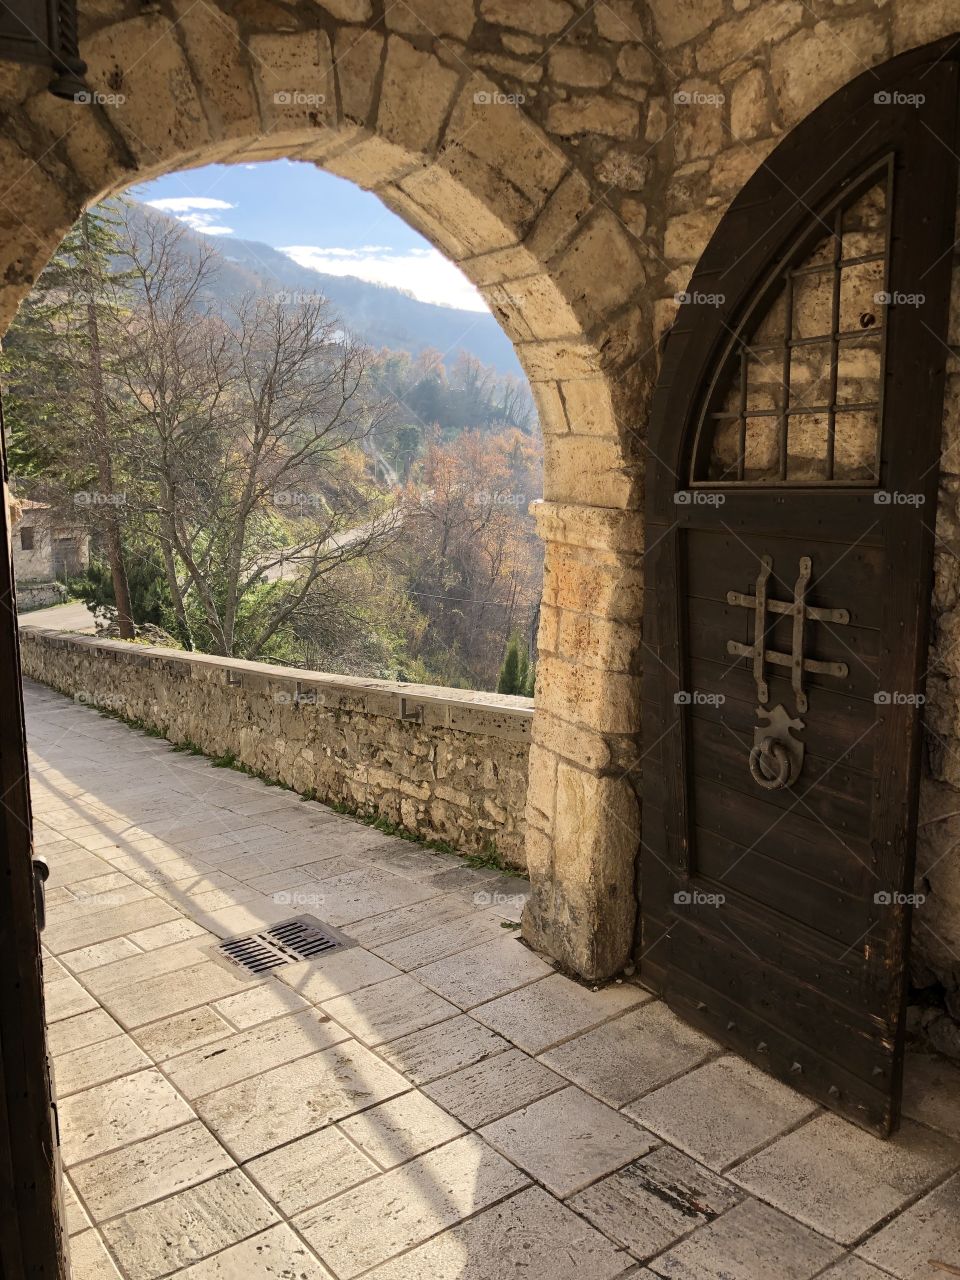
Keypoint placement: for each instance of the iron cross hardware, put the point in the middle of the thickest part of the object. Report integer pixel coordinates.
(777, 755)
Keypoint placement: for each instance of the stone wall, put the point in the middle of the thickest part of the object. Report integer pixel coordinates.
(443, 764)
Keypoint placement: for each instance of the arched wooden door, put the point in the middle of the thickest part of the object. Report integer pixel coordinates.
(792, 488)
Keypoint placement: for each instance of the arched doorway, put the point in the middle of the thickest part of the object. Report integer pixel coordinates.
(796, 456)
(396, 108)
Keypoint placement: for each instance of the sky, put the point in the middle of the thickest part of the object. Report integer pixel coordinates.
(318, 219)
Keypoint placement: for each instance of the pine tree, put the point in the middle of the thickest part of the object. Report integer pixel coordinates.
(515, 673)
(60, 426)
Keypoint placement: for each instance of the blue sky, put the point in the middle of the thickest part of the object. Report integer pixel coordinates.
(319, 220)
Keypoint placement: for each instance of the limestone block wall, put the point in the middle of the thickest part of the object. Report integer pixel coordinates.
(443, 764)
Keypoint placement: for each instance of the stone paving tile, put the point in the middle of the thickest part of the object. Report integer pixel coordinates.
(80, 867)
(648, 1205)
(184, 1031)
(89, 1259)
(442, 1048)
(568, 1140)
(375, 1221)
(369, 892)
(276, 1253)
(554, 1009)
(251, 1052)
(929, 1229)
(102, 887)
(389, 1010)
(122, 1111)
(164, 935)
(95, 1063)
(337, 974)
(147, 964)
(531, 1235)
(722, 1111)
(853, 1268)
(842, 1181)
(100, 954)
(407, 859)
(256, 1115)
(75, 1216)
(315, 1168)
(376, 931)
(260, 1004)
(400, 1129)
(110, 923)
(313, 871)
(750, 1242)
(80, 1030)
(428, 945)
(490, 1089)
(62, 916)
(246, 917)
(213, 899)
(59, 893)
(632, 1054)
(174, 992)
(64, 997)
(482, 973)
(505, 893)
(149, 1170)
(188, 1226)
(931, 1092)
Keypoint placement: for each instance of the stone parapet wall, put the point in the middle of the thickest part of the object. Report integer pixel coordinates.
(443, 764)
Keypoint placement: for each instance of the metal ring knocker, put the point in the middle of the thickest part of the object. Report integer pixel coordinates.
(770, 765)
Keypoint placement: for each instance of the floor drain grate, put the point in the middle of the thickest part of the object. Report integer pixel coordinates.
(300, 938)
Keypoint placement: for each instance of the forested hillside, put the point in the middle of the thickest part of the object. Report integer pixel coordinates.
(262, 481)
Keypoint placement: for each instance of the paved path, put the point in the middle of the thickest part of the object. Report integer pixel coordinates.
(74, 616)
(432, 1103)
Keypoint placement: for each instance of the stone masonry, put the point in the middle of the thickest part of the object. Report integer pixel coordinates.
(442, 764)
(573, 157)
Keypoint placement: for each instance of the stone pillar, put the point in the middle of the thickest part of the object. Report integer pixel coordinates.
(583, 816)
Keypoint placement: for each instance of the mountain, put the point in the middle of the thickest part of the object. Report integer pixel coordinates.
(378, 315)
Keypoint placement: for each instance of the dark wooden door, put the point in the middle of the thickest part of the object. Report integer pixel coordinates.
(31, 1241)
(793, 485)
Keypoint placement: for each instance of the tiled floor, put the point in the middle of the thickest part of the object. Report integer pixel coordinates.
(434, 1103)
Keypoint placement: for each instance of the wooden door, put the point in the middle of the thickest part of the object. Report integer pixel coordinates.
(791, 502)
(31, 1242)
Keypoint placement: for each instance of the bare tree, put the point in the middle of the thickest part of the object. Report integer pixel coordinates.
(244, 435)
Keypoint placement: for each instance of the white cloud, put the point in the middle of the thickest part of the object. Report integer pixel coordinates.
(197, 212)
(184, 204)
(425, 273)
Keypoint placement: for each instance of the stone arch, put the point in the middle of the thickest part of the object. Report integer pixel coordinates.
(417, 104)
(579, 206)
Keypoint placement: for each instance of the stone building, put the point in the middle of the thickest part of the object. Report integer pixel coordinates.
(575, 159)
(45, 552)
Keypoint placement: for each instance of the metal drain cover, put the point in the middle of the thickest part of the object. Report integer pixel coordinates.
(300, 938)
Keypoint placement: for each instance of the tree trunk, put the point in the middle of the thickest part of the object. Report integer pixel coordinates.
(180, 613)
(101, 446)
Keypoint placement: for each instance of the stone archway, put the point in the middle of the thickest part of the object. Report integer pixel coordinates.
(573, 159)
(402, 108)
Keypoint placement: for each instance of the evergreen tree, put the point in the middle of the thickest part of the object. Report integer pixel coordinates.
(515, 674)
(62, 430)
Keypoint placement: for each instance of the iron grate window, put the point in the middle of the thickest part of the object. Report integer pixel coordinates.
(798, 400)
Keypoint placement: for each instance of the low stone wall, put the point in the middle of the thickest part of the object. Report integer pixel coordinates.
(444, 764)
(39, 595)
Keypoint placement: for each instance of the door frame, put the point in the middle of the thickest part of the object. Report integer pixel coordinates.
(771, 214)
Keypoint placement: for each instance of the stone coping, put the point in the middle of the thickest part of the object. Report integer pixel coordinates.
(466, 710)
